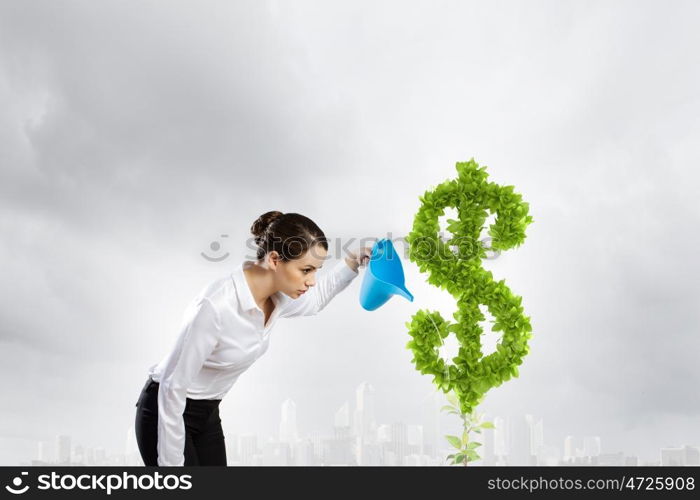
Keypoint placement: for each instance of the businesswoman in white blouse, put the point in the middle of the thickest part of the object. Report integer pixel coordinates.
(225, 329)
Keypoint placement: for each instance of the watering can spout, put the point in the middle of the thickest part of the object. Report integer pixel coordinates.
(404, 293)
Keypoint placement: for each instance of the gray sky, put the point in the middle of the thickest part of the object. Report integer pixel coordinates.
(135, 134)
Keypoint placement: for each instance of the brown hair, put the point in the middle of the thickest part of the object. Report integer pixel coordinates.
(290, 235)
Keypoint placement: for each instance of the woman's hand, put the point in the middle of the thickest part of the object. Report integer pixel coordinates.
(358, 258)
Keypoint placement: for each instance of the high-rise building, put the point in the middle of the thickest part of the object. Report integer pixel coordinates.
(686, 455)
(248, 449)
(63, 450)
(486, 450)
(365, 426)
(277, 453)
(288, 431)
(78, 455)
(586, 455)
(384, 433)
(364, 419)
(342, 416)
(232, 447)
(536, 435)
(365, 447)
(591, 446)
(131, 450)
(368, 453)
(303, 452)
(100, 456)
(569, 449)
(414, 439)
(398, 443)
(43, 452)
(501, 440)
(317, 439)
(615, 459)
(520, 444)
(433, 439)
(340, 449)
(548, 455)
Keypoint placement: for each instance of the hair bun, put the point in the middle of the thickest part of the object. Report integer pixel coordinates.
(262, 223)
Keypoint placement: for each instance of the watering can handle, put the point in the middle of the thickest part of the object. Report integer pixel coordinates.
(378, 248)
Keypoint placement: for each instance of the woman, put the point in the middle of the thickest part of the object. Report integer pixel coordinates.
(225, 329)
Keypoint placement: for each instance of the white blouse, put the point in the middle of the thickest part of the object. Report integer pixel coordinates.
(222, 334)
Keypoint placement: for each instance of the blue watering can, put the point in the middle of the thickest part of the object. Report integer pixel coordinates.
(383, 277)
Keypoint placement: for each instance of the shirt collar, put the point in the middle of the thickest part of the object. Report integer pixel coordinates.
(245, 295)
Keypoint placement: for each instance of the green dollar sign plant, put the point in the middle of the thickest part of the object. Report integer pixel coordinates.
(459, 272)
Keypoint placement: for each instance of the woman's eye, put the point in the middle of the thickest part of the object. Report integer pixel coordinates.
(306, 270)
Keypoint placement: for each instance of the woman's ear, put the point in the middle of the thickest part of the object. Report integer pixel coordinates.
(273, 258)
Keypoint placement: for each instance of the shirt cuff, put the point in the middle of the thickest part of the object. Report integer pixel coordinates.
(344, 271)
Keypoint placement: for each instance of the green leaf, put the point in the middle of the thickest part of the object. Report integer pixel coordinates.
(452, 398)
(454, 441)
(448, 407)
(473, 445)
(487, 425)
(460, 458)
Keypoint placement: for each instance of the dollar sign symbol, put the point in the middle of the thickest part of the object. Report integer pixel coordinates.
(460, 273)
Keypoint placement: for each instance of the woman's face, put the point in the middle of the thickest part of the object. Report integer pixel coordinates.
(297, 276)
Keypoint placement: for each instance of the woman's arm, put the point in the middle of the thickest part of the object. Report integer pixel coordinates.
(196, 341)
(327, 286)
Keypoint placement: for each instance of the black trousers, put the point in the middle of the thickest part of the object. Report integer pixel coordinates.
(204, 437)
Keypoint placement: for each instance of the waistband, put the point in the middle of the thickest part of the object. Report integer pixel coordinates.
(152, 384)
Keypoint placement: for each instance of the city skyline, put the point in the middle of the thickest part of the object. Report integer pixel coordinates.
(360, 440)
